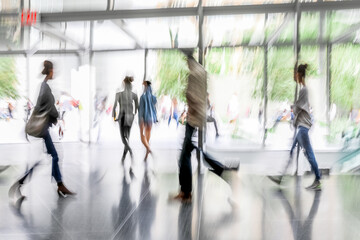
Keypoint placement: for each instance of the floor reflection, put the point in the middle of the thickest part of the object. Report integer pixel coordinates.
(302, 230)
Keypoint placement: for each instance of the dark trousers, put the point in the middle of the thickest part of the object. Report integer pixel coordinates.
(55, 159)
(55, 172)
(185, 175)
(125, 135)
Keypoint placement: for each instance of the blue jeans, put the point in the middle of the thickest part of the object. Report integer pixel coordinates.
(302, 137)
(176, 117)
(55, 159)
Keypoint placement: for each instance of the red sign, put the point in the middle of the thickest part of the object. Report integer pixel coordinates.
(28, 18)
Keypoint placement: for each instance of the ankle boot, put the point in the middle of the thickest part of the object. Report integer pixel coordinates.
(63, 191)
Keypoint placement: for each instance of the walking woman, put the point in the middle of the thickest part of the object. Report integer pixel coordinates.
(46, 105)
(302, 121)
(125, 99)
(147, 115)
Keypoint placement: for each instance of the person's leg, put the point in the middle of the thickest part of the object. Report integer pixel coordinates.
(123, 137)
(176, 116)
(211, 119)
(143, 137)
(148, 132)
(185, 169)
(55, 159)
(127, 137)
(304, 141)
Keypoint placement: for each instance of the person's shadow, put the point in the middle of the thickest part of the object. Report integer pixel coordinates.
(120, 213)
(302, 230)
(185, 221)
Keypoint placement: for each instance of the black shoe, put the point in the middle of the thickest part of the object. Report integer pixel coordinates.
(275, 179)
(316, 186)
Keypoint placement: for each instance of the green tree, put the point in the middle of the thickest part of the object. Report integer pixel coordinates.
(8, 80)
(345, 80)
(172, 73)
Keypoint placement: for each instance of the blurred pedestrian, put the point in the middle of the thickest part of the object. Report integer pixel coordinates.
(196, 118)
(45, 106)
(125, 99)
(174, 111)
(303, 122)
(210, 114)
(147, 115)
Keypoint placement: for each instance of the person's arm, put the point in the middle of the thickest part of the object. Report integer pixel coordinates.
(114, 107)
(135, 97)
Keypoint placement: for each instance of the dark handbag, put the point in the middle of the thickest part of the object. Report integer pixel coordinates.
(37, 124)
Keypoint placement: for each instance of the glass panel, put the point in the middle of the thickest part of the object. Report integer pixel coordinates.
(9, 5)
(48, 6)
(339, 22)
(241, 2)
(221, 30)
(281, 92)
(146, 4)
(235, 93)
(309, 26)
(175, 32)
(345, 97)
(274, 21)
(10, 33)
(118, 39)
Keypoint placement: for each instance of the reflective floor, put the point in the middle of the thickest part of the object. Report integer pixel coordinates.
(113, 204)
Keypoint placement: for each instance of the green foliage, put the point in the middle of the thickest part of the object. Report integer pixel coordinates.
(8, 79)
(338, 22)
(310, 55)
(172, 73)
(280, 74)
(309, 26)
(345, 79)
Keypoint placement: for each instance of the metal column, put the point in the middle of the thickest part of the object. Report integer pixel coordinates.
(265, 85)
(91, 100)
(297, 50)
(202, 131)
(328, 85)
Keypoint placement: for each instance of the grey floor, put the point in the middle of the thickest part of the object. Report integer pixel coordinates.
(112, 204)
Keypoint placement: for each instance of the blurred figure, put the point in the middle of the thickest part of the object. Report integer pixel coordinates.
(45, 104)
(10, 109)
(303, 123)
(183, 116)
(28, 107)
(100, 107)
(210, 117)
(233, 113)
(196, 118)
(147, 115)
(125, 99)
(174, 111)
(233, 108)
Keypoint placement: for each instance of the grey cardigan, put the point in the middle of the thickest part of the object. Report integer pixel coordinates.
(302, 110)
(125, 100)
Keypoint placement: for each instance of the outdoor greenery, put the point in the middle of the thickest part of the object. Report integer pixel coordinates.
(345, 78)
(8, 80)
(171, 75)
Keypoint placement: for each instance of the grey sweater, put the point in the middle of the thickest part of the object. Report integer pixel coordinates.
(302, 110)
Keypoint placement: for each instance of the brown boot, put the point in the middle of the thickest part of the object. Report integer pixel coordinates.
(63, 191)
